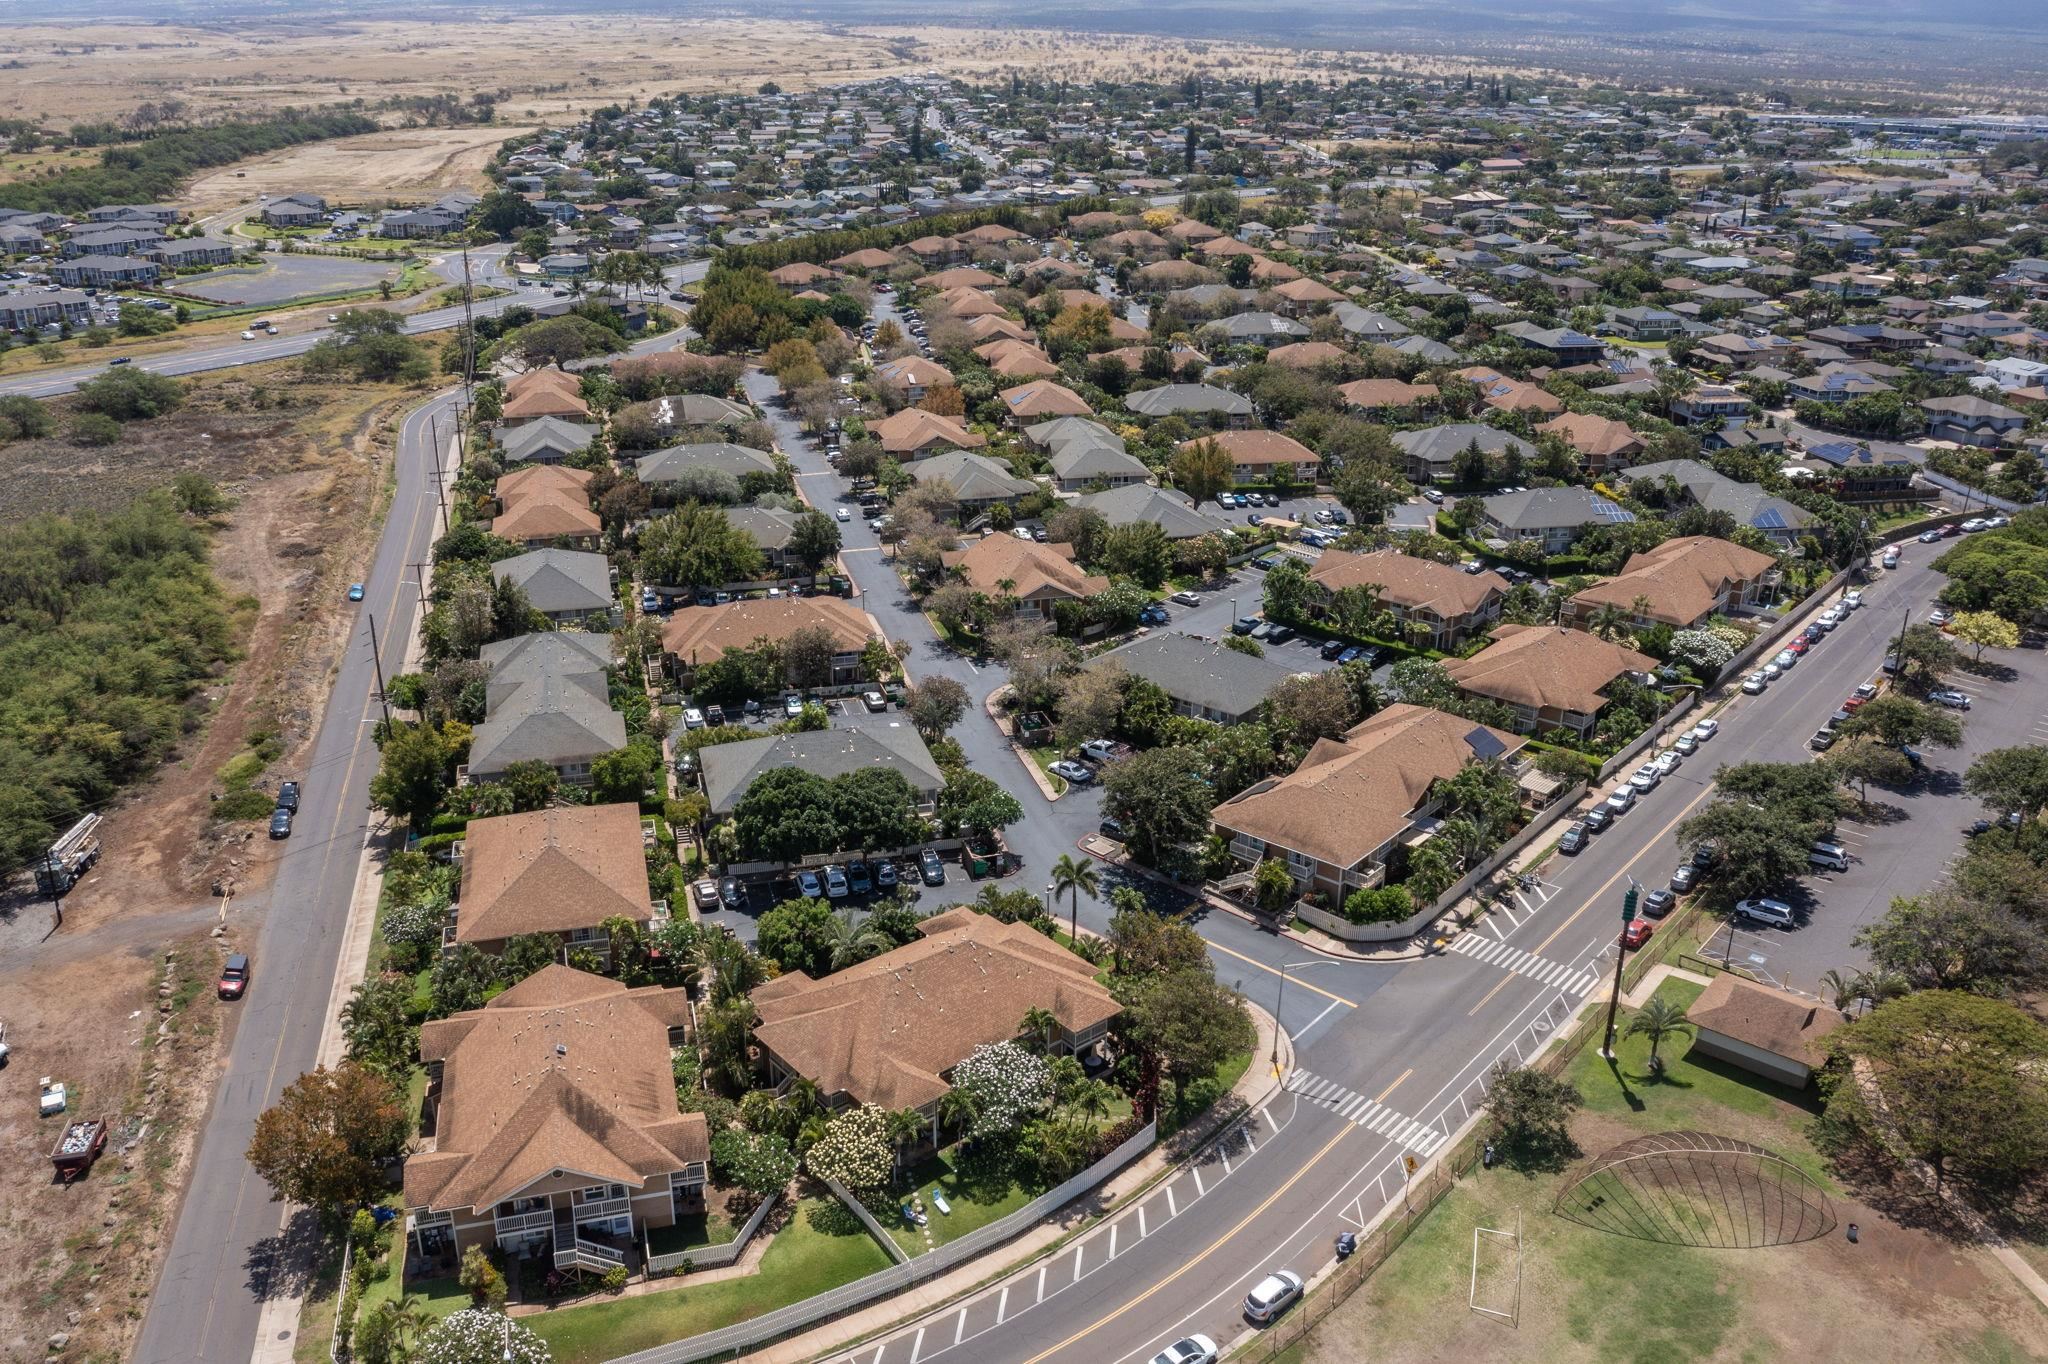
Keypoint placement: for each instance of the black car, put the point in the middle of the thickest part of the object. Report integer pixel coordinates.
(1331, 648)
(1705, 856)
(1574, 840)
(730, 895)
(288, 797)
(280, 823)
(1597, 818)
(1113, 827)
(930, 868)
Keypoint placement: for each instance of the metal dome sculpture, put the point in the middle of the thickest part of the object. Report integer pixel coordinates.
(1697, 1189)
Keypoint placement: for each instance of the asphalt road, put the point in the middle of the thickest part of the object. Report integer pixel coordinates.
(227, 1255)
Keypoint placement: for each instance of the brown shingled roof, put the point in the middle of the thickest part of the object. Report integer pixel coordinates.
(565, 1071)
(1031, 569)
(1348, 798)
(706, 632)
(913, 429)
(1775, 1021)
(550, 871)
(1407, 581)
(889, 1030)
(1681, 577)
(1547, 665)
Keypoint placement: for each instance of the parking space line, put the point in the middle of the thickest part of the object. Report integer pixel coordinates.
(916, 1345)
(1003, 1305)
(1041, 1283)
(1172, 1208)
(960, 1326)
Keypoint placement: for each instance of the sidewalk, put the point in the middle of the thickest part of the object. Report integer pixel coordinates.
(1253, 1090)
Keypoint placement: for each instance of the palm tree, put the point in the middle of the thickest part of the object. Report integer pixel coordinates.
(411, 1317)
(1843, 990)
(1071, 877)
(903, 1127)
(1037, 1030)
(849, 942)
(958, 1109)
(1657, 1020)
(1093, 1099)
(803, 1097)
(1608, 621)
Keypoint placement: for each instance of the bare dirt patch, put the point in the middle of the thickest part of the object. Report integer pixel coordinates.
(401, 165)
(307, 465)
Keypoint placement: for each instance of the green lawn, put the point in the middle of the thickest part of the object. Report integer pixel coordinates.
(801, 1262)
(976, 1199)
(1182, 1106)
(1045, 757)
(691, 1233)
(438, 1297)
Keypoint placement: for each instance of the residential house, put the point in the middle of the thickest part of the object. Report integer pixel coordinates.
(1561, 347)
(1431, 450)
(665, 470)
(1171, 511)
(1552, 677)
(1436, 605)
(701, 634)
(1835, 384)
(1202, 677)
(1082, 463)
(543, 393)
(890, 1030)
(913, 433)
(1375, 328)
(1349, 815)
(977, 482)
(567, 586)
(294, 210)
(1689, 482)
(730, 769)
(1262, 329)
(1219, 405)
(547, 504)
(1036, 577)
(578, 1149)
(561, 717)
(1263, 456)
(1601, 441)
(1385, 395)
(913, 376)
(105, 272)
(1646, 324)
(1765, 1031)
(1683, 582)
(1041, 400)
(1503, 394)
(772, 529)
(193, 252)
(545, 440)
(1715, 403)
(562, 871)
(1971, 421)
(23, 311)
(1551, 518)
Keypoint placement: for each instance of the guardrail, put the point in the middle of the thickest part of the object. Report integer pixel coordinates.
(748, 1334)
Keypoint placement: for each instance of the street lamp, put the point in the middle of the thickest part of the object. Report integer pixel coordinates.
(1281, 1003)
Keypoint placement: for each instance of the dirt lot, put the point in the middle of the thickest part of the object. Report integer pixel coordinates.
(307, 465)
(401, 165)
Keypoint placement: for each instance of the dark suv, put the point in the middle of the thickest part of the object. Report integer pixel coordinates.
(288, 797)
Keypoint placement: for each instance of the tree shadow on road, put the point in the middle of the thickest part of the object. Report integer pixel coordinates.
(286, 1264)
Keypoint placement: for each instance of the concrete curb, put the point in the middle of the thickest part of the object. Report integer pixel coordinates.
(989, 707)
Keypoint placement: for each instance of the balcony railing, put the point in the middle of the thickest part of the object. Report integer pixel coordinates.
(599, 1209)
(520, 1223)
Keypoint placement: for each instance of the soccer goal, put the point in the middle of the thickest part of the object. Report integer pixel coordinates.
(1496, 1289)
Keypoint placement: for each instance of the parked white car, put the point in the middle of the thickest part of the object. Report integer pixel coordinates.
(1755, 683)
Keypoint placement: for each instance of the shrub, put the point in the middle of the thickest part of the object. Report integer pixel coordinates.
(614, 1279)
(1380, 905)
(94, 428)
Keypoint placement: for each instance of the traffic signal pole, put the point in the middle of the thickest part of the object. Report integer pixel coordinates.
(1628, 916)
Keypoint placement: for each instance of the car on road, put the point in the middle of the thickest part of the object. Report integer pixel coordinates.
(248, 336)
(1244, 625)
(705, 893)
(1798, 647)
(1950, 530)
(1891, 559)
(1155, 614)
(1937, 617)
(355, 591)
(1351, 654)
(1755, 683)
(1635, 933)
(1658, 903)
(1997, 522)
(1575, 839)
(729, 893)
(280, 823)
(930, 868)
(1622, 800)
(122, 360)
(2011, 820)
(792, 705)
(234, 977)
(1775, 913)
(1272, 1295)
(1973, 525)
(1786, 660)
(859, 879)
(874, 700)
(843, 514)
(1187, 598)
(885, 875)
(1669, 761)
(1433, 497)
(1265, 563)
(1830, 618)
(1333, 649)
(1597, 818)
(1771, 672)
(1685, 877)
(649, 602)
(1078, 773)
(1645, 778)
(1473, 566)
(1929, 537)
(835, 882)
(288, 796)
(1280, 634)
(1865, 691)
(1853, 599)
(1189, 1350)
(1705, 730)
(1686, 744)
(1111, 827)
(693, 718)
(809, 886)
(1822, 740)
(1954, 700)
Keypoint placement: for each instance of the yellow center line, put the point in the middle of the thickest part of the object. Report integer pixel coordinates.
(1299, 983)
(1213, 1247)
(1394, 1086)
(1608, 884)
(1505, 981)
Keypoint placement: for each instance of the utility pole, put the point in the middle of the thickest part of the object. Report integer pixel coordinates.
(377, 660)
(420, 580)
(468, 341)
(1628, 916)
(440, 493)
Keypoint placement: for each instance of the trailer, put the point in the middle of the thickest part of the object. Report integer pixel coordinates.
(78, 1148)
(69, 858)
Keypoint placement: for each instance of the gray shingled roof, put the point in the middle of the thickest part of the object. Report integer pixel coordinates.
(1200, 672)
(558, 581)
(729, 769)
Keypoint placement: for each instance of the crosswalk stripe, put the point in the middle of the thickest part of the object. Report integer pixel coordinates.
(1358, 1101)
(1379, 1125)
(1364, 1115)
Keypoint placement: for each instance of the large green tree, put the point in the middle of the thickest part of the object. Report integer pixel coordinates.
(1162, 797)
(328, 1138)
(697, 546)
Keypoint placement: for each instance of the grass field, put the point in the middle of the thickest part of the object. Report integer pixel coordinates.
(803, 1260)
(1590, 1296)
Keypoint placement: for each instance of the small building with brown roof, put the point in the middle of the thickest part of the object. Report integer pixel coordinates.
(867, 258)
(1137, 243)
(1307, 354)
(1435, 604)
(1601, 441)
(962, 304)
(913, 376)
(1260, 456)
(547, 504)
(563, 870)
(1039, 577)
(1552, 677)
(543, 393)
(992, 328)
(1349, 815)
(1767, 1032)
(890, 1030)
(913, 433)
(960, 277)
(800, 275)
(697, 635)
(551, 1125)
(1682, 583)
(1305, 295)
(1384, 395)
(1041, 400)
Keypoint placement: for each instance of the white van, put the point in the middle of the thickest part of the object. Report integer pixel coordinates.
(1824, 856)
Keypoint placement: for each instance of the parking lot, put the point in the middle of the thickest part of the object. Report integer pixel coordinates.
(283, 278)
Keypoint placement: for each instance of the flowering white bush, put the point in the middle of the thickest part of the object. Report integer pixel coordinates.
(855, 1149)
(1007, 1083)
(414, 926)
(1734, 636)
(478, 1336)
(1704, 652)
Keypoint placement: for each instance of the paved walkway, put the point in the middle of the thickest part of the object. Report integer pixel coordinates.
(1253, 1090)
